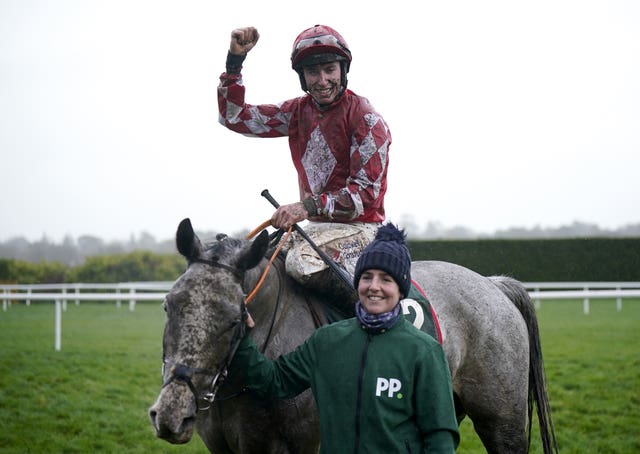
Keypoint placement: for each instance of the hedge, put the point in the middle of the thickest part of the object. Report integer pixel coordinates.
(541, 260)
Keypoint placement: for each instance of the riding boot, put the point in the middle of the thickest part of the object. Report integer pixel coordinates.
(339, 296)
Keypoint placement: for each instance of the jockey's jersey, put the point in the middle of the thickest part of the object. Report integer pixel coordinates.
(340, 151)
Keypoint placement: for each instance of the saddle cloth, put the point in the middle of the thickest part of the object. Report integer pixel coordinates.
(419, 311)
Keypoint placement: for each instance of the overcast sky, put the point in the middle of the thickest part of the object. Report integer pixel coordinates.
(503, 113)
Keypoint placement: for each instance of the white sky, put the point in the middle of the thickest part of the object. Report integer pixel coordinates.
(503, 113)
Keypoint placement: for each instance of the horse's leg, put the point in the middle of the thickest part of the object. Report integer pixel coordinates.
(495, 399)
(299, 424)
(501, 436)
(252, 425)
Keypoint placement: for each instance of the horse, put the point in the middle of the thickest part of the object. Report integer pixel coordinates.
(488, 330)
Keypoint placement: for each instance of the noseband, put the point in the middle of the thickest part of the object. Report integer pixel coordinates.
(184, 374)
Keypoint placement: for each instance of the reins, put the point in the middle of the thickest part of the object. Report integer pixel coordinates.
(253, 233)
(239, 273)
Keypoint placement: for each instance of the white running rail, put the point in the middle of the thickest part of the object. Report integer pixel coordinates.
(61, 294)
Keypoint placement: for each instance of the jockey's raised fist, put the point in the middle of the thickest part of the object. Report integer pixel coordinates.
(243, 40)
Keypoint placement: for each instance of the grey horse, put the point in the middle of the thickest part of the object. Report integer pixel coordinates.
(489, 334)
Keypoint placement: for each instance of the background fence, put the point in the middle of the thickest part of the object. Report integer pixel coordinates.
(132, 292)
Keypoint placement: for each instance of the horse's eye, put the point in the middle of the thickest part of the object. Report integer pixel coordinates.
(164, 306)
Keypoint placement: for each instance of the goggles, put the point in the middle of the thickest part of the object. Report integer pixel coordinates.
(322, 40)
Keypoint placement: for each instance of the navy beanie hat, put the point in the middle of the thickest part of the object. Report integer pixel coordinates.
(387, 252)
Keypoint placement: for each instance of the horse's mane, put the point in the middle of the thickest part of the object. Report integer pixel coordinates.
(223, 246)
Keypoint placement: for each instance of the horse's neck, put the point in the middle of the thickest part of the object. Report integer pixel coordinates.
(281, 316)
(265, 305)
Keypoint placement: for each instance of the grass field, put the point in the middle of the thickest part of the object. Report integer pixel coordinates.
(93, 395)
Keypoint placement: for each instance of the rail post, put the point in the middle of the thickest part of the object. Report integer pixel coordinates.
(585, 303)
(58, 329)
(132, 300)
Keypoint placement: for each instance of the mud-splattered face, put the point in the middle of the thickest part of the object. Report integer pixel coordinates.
(323, 81)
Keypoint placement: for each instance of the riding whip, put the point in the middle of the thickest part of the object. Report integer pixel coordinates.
(344, 276)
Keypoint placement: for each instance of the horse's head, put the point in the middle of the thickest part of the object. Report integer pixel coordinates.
(204, 320)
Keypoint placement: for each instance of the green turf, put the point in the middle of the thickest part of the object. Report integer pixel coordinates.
(592, 365)
(93, 395)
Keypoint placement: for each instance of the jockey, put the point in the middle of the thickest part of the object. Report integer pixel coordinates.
(339, 146)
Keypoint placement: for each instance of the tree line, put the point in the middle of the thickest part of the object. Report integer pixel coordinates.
(135, 266)
(74, 252)
(92, 260)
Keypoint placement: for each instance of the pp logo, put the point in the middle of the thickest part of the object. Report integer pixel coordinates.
(391, 386)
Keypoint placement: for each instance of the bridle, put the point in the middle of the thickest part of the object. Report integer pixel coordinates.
(183, 373)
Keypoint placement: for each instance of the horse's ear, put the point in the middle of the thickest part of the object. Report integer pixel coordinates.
(187, 241)
(252, 255)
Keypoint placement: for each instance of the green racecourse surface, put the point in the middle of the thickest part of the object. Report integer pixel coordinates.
(93, 395)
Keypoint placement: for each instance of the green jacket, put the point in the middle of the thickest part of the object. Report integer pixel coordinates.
(384, 393)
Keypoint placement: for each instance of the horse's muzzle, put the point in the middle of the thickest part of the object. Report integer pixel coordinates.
(173, 415)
